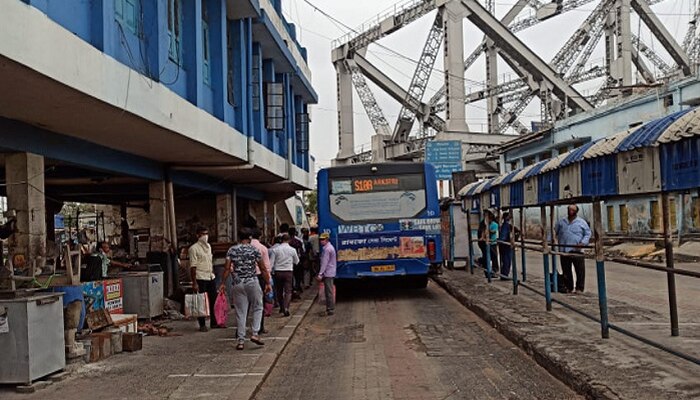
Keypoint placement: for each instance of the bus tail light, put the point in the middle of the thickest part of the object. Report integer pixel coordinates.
(431, 249)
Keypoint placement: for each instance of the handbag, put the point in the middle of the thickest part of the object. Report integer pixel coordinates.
(196, 305)
(221, 309)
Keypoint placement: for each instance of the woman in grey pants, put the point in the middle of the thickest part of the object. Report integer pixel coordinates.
(242, 260)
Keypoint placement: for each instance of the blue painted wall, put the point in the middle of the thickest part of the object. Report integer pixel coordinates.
(144, 47)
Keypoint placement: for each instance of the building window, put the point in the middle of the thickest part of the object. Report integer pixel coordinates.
(229, 65)
(206, 65)
(655, 215)
(302, 132)
(274, 106)
(624, 218)
(255, 79)
(126, 13)
(611, 218)
(175, 30)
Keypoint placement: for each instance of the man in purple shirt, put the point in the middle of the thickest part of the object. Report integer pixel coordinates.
(327, 272)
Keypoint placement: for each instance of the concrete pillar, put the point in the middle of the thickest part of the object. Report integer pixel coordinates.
(346, 138)
(158, 216)
(224, 218)
(454, 68)
(24, 174)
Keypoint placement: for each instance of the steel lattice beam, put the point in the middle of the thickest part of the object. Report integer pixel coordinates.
(420, 79)
(374, 112)
(646, 14)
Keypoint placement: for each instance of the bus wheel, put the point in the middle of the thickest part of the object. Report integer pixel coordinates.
(419, 282)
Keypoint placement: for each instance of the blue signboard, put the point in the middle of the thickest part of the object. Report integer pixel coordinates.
(445, 156)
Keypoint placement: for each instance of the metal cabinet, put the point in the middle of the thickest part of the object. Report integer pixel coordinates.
(31, 337)
(143, 293)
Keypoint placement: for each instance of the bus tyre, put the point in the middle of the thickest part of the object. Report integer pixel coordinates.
(419, 282)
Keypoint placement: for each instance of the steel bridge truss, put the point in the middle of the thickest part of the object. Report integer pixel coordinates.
(552, 82)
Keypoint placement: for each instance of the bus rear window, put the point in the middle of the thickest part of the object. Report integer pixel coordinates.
(375, 198)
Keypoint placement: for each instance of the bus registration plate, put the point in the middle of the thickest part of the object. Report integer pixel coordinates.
(384, 268)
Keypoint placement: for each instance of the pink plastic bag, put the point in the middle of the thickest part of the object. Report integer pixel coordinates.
(268, 309)
(221, 309)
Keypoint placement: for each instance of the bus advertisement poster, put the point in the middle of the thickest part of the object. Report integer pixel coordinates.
(381, 246)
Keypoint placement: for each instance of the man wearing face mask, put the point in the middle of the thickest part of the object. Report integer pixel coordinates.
(202, 273)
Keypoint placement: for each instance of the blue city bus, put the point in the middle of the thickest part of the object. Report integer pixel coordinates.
(383, 219)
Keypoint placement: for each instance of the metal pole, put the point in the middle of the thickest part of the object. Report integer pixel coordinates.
(545, 258)
(522, 243)
(487, 256)
(469, 240)
(555, 270)
(600, 269)
(670, 276)
(513, 262)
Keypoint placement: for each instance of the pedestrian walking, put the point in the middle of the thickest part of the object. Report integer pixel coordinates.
(505, 250)
(298, 245)
(315, 253)
(202, 273)
(572, 231)
(327, 272)
(265, 264)
(242, 260)
(283, 259)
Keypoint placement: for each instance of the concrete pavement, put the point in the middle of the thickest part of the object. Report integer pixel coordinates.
(570, 346)
(193, 365)
(389, 342)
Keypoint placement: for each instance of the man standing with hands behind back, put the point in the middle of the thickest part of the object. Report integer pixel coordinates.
(572, 230)
(202, 273)
(327, 272)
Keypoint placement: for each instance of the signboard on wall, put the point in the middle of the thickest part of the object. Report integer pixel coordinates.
(461, 179)
(445, 156)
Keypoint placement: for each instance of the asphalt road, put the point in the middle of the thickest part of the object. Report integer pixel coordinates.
(389, 342)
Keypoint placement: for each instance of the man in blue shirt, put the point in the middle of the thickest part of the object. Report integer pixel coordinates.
(573, 231)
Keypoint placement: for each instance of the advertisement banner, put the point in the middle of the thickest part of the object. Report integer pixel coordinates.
(381, 246)
(107, 294)
(94, 295)
(113, 295)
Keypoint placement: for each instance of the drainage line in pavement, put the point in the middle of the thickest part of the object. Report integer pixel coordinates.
(621, 330)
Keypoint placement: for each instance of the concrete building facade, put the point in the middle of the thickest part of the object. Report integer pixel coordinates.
(148, 103)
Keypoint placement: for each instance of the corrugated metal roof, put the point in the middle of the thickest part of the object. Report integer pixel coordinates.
(510, 176)
(465, 190)
(608, 145)
(684, 127)
(577, 154)
(648, 134)
(497, 180)
(520, 175)
(483, 186)
(536, 168)
(554, 162)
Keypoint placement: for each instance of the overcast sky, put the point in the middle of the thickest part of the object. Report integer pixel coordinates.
(316, 31)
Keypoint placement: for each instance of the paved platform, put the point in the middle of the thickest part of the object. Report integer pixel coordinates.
(391, 342)
(193, 365)
(570, 346)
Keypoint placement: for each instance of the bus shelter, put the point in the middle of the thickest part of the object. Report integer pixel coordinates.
(660, 157)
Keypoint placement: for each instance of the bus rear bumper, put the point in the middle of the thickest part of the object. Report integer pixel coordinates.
(372, 270)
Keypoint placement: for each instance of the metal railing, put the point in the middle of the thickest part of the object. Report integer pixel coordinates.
(545, 246)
